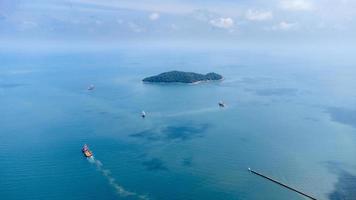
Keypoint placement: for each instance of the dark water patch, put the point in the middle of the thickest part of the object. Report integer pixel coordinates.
(11, 85)
(311, 119)
(155, 164)
(255, 80)
(88, 111)
(257, 103)
(117, 117)
(103, 113)
(345, 187)
(184, 132)
(274, 92)
(2, 17)
(244, 139)
(151, 135)
(343, 115)
(173, 133)
(187, 162)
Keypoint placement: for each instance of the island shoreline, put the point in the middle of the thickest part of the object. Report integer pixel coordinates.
(183, 77)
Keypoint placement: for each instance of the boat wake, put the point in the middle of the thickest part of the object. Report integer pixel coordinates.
(118, 188)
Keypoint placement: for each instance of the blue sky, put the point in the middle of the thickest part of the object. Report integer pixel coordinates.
(117, 22)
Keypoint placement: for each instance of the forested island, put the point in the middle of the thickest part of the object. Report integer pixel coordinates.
(182, 77)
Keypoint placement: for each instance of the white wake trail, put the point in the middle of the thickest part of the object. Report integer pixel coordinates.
(118, 188)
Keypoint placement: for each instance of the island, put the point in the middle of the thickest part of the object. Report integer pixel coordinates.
(182, 77)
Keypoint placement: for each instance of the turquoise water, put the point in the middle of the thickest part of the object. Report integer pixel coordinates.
(291, 116)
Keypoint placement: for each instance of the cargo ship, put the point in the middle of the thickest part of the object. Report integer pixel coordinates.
(86, 151)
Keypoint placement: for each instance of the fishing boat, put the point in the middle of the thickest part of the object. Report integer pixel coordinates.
(221, 104)
(143, 114)
(91, 87)
(86, 151)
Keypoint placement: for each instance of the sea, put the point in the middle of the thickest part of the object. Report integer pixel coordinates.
(290, 115)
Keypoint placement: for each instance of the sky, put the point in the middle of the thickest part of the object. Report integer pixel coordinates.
(116, 22)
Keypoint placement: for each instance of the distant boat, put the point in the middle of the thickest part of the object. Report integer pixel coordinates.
(143, 114)
(91, 87)
(221, 104)
(86, 151)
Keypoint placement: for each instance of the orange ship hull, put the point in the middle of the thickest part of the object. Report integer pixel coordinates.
(88, 153)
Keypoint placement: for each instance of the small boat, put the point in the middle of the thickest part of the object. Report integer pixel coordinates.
(91, 87)
(86, 151)
(143, 114)
(221, 104)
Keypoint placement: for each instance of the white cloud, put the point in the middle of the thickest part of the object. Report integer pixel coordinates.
(258, 15)
(225, 23)
(296, 5)
(154, 16)
(285, 26)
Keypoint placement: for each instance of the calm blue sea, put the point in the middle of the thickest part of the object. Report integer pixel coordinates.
(291, 116)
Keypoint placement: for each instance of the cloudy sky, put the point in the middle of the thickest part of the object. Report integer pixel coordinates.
(119, 21)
